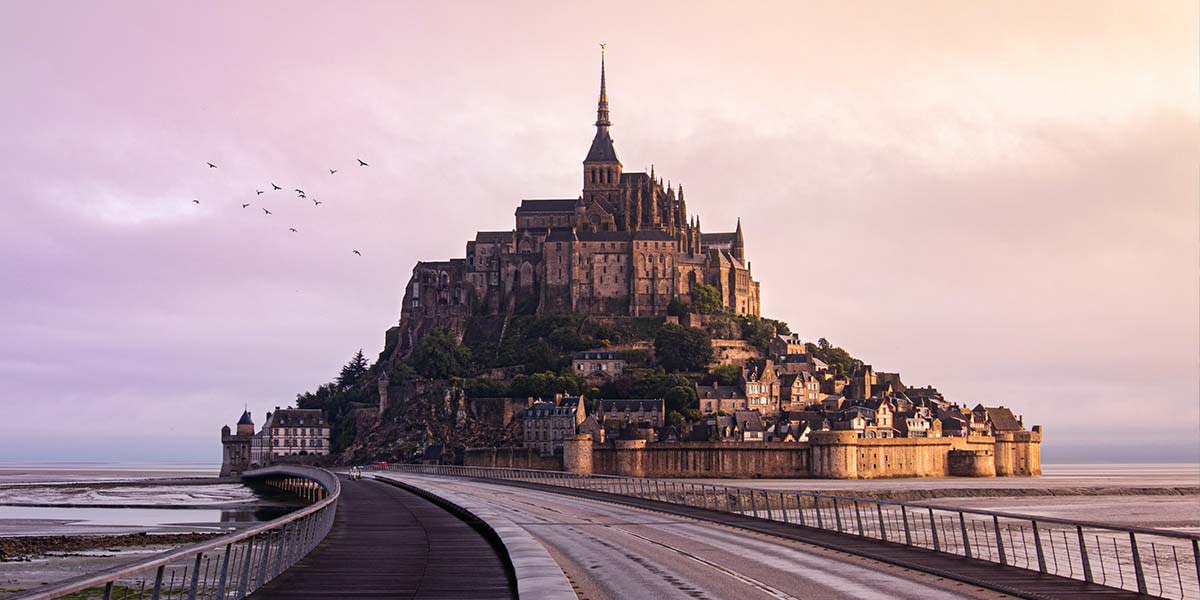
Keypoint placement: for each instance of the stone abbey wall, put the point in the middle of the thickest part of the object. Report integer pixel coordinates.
(827, 455)
(515, 458)
(702, 459)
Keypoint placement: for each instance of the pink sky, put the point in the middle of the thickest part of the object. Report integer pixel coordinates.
(998, 199)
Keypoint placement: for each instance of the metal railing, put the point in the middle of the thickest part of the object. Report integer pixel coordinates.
(229, 566)
(1155, 562)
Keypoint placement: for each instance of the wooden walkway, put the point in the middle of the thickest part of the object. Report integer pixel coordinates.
(1018, 582)
(390, 543)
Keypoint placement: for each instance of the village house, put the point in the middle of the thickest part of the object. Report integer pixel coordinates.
(598, 364)
(784, 345)
(760, 386)
(750, 425)
(720, 398)
(546, 423)
(297, 431)
(642, 413)
(798, 390)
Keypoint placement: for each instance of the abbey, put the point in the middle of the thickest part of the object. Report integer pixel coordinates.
(626, 246)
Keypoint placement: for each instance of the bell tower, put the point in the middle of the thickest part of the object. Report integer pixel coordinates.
(601, 168)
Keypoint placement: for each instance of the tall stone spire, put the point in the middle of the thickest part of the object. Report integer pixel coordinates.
(602, 106)
(602, 168)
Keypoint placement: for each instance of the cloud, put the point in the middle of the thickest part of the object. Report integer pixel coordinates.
(1000, 202)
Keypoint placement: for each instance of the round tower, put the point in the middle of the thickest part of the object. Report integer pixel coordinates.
(245, 425)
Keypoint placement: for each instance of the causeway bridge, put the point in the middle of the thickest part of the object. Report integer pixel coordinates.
(445, 532)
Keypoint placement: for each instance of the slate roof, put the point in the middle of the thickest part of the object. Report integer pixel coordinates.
(653, 235)
(245, 420)
(562, 234)
(297, 417)
(596, 355)
(493, 237)
(720, 391)
(632, 405)
(749, 420)
(717, 238)
(1002, 419)
(547, 206)
(602, 148)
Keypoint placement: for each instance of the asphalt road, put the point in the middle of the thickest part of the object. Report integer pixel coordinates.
(616, 552)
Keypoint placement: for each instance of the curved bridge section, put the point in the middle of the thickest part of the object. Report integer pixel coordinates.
(230, 566)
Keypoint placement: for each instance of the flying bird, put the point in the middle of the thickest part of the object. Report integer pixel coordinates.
(317, 202)
(332, 171)
(358, 253)
(301, 195)
(293, 230)
(362, 164)
(211, 166)
(258, 192)
(267, 211)
(196, 201)
(245, 205)
(277, 188)
(299, 191)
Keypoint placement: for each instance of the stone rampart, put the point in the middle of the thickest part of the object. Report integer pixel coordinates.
(513, 458)
(701, 459)
(827, 455)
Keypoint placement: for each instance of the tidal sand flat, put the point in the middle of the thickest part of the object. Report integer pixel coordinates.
(58, 523)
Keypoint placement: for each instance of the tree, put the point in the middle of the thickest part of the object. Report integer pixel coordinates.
(682, 348)
(438, 355)
(840, 362)
(725, 375)
(706, 299)
(353, 371)
(677, 307)
(679, 399)
(759, 331)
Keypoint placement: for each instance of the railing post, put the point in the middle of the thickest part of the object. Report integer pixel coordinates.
(1083, 553)
(783, 507)
(837, 514)
(224, 572)
(266, 557)
(195, 577)
(157, 593)
(108, 591)
(1137, 564)
(767, 501)
(999, 540)
(907, 531)
(937, 546)
(799, 509)
(753, 507)
(283, 535)
(1196, 559)
(1037, 542)
(244, 580)
(817, 505)
(962, 523)
(858, 520)
(882, 527)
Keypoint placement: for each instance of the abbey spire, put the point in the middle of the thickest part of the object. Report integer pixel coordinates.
(602, 106)
(602, 145)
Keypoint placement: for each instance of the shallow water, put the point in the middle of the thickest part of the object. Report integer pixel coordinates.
(73, 499)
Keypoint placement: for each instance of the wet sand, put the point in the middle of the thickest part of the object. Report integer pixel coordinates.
(60, 522)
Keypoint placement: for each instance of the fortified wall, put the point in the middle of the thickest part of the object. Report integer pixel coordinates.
(827, 455)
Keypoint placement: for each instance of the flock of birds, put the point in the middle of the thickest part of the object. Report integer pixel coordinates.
(299, 193)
